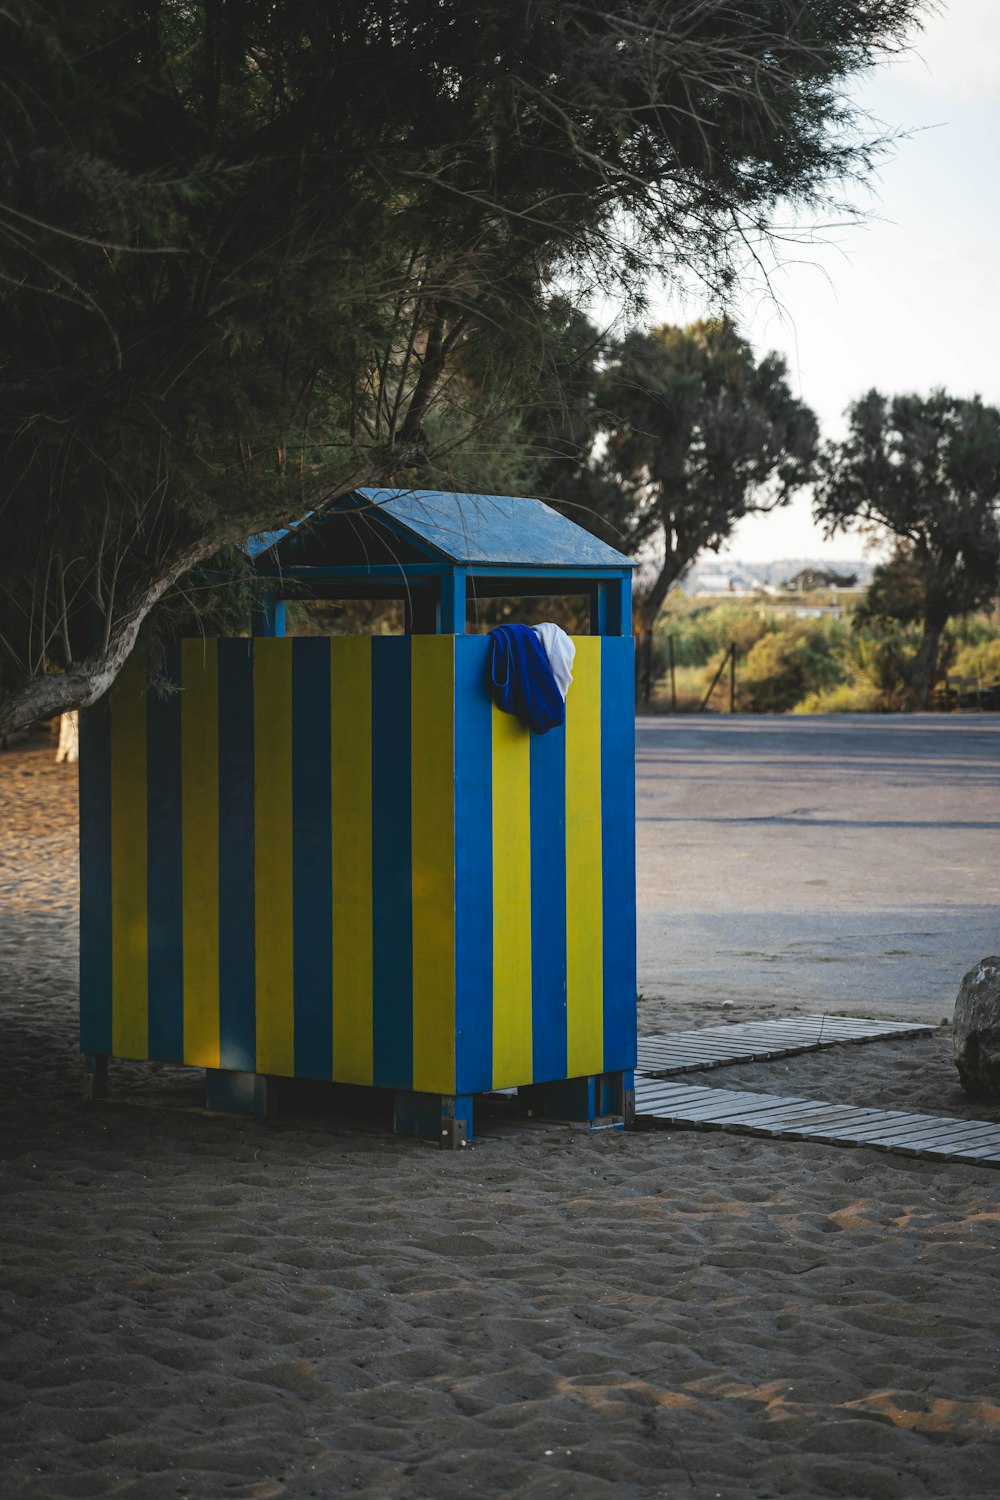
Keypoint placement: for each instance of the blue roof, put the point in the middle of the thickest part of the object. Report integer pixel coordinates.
(471, 530)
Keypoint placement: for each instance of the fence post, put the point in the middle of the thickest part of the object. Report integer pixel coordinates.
(730, 657)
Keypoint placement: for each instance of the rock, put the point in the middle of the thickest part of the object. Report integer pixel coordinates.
(976, 1024)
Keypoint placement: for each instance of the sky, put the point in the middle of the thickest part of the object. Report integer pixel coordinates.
(909, 299)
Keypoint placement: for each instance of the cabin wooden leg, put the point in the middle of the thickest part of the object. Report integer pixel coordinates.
(95, 1076)
(266, 1096)
(445, 1119)
(242, 1093)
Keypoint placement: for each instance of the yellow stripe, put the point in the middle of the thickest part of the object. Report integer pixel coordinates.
(200, 849)
(129, 938)
(584, 885)
(512, 1063)
(351, 802)
(272, 731)
(433, 832)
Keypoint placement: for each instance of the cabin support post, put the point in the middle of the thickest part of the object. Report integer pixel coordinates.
(269, 617)
(95, 1076)
(239, 1093)
(444, 1119)
(452, 604)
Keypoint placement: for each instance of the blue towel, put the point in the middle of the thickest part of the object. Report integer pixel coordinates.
(521, 679)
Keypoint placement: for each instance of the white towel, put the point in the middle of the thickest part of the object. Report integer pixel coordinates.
(560, 651)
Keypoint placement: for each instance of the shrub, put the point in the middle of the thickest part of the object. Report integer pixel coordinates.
(781, 669)
(704, 630)
(980, 661)
(845, 698)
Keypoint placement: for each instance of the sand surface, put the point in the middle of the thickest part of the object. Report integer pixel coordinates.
(199, 1306)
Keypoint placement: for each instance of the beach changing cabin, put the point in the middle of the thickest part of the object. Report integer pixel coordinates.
(333, 858)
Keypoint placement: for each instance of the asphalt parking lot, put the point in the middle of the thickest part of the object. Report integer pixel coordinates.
(838, 863)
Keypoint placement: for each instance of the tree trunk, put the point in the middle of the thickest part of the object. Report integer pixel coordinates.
(83, 683)
(648, 610)
(923, 667)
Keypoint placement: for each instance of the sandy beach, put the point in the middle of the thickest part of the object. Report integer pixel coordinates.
(199, 1306)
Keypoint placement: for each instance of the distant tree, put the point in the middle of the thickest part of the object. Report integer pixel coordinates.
(251, 253)
(925, 471)
(896, 592)
(698, 433)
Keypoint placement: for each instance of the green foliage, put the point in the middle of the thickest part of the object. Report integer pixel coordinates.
(926, 471)
(858, 663)
(701, 632)
(698, 433)
(897, 590)
(254, 255)
(782, 668)
(879, 657)
(845, 698)
(981, 661)
(975, 629)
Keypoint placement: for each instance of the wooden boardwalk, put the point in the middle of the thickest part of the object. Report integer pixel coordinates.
(755, 1041)
(663, 1104)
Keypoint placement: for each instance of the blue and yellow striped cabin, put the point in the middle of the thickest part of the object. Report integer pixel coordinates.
(335, 859)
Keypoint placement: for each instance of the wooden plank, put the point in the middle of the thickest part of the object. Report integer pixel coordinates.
(726, 1112)
(722, 1109)
(512, 1040)
(663, 1095)
(680, 1094)
(841, 1116)
(933, 1139)
(808, 1027)
(795, 1116)
(432, 769)
(975, 1154)
(988, 1132)
(584, 867)
(848, 1130)
(929, 1126)
(821, 1121)
(129, 868)
(273, 912)
(199, 779)
(716, 1046)
(351, 858)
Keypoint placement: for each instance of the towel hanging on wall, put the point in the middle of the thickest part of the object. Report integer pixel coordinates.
(522, 681)
(561, 652)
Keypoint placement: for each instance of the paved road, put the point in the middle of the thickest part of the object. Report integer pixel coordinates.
(842, 863)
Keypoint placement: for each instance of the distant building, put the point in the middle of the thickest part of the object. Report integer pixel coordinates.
(819, 578)
(711, 578)
(715, 585)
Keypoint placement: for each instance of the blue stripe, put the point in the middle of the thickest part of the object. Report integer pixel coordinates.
(95, 878)
(165, 922)
(312, 873)
(618, 849)
(548, 905)
(392, 907)
(237, 1016)
(473, 867)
